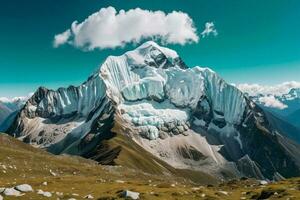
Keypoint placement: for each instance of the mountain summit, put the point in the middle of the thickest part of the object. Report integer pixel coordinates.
(188, 117)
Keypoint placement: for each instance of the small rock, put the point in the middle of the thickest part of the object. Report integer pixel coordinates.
(52, 173)
(203, 195)
(170, 125)
(164, 129)
(131, 195)
(89, 196)
(185, 127)
(24, 188)
(59, 193)
(263, 182)
(44, 183)
(45, 194)
(162, 135)
(188, 123)
(12, 192)
(180, 129)
(175, 131)
(119, 181)
(1, 198)
(185, 133)
(223, 192)
(40, 192)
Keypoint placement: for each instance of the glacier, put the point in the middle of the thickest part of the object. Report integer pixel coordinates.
(152, 73)
(153, 88)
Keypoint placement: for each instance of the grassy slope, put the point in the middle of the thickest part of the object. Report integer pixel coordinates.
(81, 176)
(134, 156)
(120, 149)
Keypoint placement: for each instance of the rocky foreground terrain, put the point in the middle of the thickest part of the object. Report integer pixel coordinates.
(47, 176)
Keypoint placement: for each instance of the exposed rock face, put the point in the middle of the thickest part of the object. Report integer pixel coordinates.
(189, 117)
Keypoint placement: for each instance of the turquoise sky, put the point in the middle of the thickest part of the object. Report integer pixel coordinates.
(258, 41)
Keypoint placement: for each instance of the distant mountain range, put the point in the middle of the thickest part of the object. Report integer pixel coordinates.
(290, 110)
(147, 104)
(4, 112)
(9, 109)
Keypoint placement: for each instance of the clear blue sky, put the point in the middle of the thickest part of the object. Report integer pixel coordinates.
(258, 41)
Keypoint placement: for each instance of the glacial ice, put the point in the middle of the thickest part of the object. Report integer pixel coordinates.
(151, 88)
(69, 100)
(149, 116)
(131, 78)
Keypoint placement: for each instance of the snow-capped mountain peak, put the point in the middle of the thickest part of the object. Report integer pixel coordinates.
(173, 111)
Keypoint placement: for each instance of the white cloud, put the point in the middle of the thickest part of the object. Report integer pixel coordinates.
(209, 29)
(62, 38)
(272, 102)
(108, 28)
(277, 90)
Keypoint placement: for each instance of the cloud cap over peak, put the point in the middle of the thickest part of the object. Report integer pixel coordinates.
(108, 28)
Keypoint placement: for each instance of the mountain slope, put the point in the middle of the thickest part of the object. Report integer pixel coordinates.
(285, 119)
(8, 120)
(8, 110)
(4, 112)
(290, 100)
(294, 118)
(75, 177)
(188, 117)
(282, 125)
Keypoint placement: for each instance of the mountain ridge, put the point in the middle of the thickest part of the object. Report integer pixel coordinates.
(188, 117)
(288, 112)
